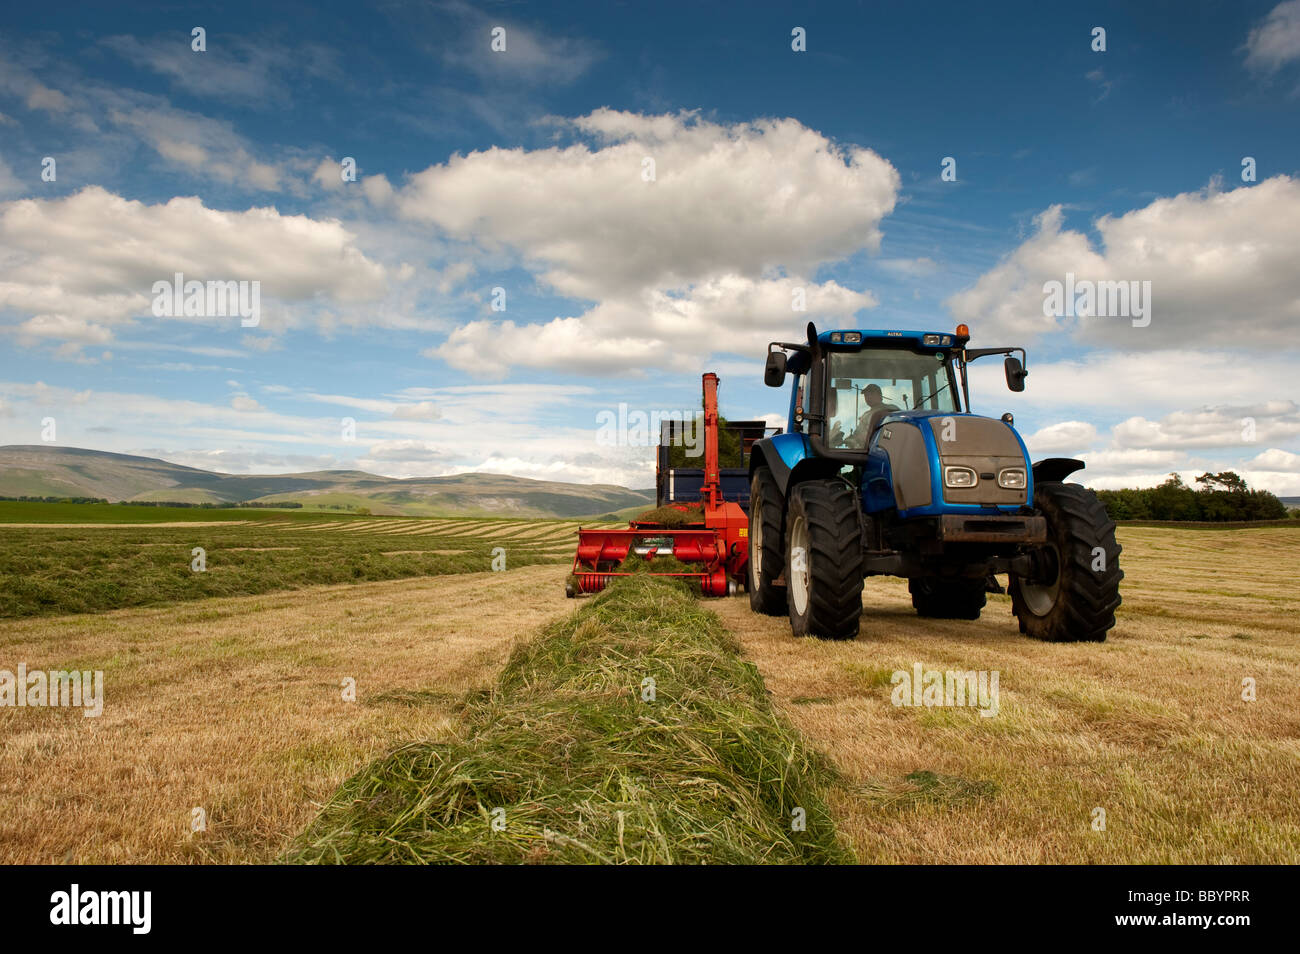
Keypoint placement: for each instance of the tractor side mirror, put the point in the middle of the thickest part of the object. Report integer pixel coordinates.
(1016, 373)
(774, 373)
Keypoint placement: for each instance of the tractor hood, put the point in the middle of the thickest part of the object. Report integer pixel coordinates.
(940, 462)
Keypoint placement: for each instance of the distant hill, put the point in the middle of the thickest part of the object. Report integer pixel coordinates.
(41, 471)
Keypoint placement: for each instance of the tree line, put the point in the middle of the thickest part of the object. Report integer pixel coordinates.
(1220, 497)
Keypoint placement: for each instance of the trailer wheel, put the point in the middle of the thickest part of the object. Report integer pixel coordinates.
(1076, 598)
(766, 544)
(824, 560)
(947, 598)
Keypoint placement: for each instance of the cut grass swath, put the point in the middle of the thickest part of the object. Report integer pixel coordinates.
(572, 766)
(672, 517)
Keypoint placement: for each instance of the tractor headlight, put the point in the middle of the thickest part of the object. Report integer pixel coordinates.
(1012, 478)
(959, 477)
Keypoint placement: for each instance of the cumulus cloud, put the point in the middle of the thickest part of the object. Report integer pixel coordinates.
(1220, 264)
(1275, 459)
(739, 198)
(652, 330)
(1276, 41)
(732, 219)
(80, 265)
(1212, 427)
(328, 174)
(1067, 437)
(1154, 382)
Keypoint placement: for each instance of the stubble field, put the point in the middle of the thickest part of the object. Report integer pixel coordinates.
(231, 701)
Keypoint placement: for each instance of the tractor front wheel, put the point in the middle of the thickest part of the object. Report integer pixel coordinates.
(766, 544)
(824, 560)
(1074, 597)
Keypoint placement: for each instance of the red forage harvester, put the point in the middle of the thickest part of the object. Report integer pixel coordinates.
(712, 541)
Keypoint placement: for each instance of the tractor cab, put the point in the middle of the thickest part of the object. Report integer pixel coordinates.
(865, 387)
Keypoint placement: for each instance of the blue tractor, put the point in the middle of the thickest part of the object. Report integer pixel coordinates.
(883, 469)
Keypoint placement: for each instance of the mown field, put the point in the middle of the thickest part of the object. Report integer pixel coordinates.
(53, 560)
(230, 700)
(1150, 726)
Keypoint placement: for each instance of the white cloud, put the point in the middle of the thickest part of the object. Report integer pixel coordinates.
(82, 264)
(656, 329)
(705, 257)
(61, 328)
(1275, 459)
(200, 145)
(1067, 437)
(1155, 382)
(1212, 427)
(1276, 41)
(1281, 484)
(328, 174)
(377, 190)
(1274, 469)
(420, 411)
(911, 267)
(741, 198)
(471, 428)
(49, 100)
(405, 451)
(1221, 267)
(1128, 462)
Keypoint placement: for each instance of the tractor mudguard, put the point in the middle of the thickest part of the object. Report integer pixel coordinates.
(791, 460)
(781, 453)
(1055, 469)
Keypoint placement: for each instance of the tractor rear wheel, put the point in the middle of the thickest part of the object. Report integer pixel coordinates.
(956, 598)
(1075, 598)
(766, 544)
(824, 560)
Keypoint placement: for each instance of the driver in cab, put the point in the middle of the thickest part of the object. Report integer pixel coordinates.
(862, 433)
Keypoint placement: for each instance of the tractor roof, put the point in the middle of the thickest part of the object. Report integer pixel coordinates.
(937, 340)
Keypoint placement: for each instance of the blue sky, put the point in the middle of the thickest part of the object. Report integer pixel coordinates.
(523, 170)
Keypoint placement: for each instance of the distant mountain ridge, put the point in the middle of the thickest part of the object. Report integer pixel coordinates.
(35, 470)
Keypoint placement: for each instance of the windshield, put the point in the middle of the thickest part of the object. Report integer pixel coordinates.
(881, 380)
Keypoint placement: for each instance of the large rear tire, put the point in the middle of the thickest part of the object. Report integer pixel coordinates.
(1078, 602)
(766, 544)
(824, 560)
(938, 598)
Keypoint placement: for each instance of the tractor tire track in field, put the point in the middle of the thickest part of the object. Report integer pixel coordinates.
(234, 705)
